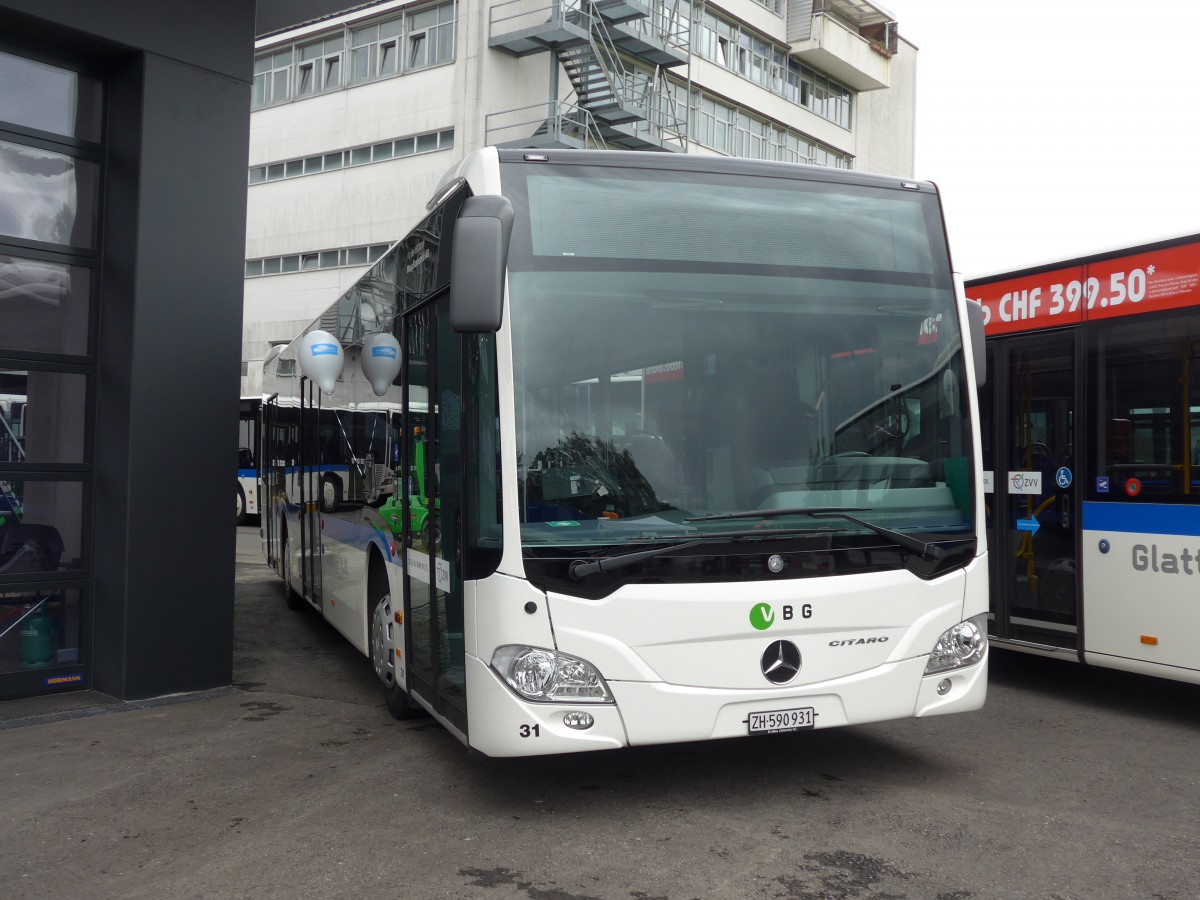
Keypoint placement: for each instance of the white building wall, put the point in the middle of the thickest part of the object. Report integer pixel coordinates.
(378, 203)
(886, 120)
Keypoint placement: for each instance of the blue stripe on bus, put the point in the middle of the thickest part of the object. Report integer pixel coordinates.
(1142, 518)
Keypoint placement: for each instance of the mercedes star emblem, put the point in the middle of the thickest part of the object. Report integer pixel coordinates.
(781, 662)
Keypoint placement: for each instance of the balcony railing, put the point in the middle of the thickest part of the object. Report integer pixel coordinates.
(845, 54)
(551, 124)
(530, 26)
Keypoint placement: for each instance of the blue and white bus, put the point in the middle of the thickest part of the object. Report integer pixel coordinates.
(1091, 436)
(248, 449)
(681, 448)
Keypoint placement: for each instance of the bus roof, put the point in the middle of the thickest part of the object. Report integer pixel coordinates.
(1099, 256)
(692, 162)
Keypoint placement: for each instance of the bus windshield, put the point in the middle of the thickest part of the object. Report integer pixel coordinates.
(689, 344)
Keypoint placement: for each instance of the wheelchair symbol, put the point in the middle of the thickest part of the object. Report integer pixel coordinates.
(1063, 477)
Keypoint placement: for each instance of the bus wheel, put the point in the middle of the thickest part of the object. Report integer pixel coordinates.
(293, 600)
(383, 658)
(331, 494)
(241, 505)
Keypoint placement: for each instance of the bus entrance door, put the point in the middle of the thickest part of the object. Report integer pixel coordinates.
(433, 499)
(310, 492)
(1034, 512)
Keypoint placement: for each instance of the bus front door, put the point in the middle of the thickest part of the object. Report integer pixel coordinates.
(310, 492)
(1033, 510)
(433, 500)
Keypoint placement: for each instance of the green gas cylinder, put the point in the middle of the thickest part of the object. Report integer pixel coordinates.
(37, 639)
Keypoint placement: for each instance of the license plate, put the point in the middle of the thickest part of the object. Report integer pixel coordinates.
(781, 720)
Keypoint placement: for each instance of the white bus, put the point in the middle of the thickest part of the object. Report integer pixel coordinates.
(685, 448)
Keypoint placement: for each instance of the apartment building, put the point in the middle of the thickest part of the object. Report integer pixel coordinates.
(357, 112)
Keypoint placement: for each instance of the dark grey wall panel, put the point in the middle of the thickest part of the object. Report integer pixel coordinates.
(183, 379)
(197, 33)
(113, 552)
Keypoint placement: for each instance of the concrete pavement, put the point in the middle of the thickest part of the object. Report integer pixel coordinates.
(295, 782)
(243, 791)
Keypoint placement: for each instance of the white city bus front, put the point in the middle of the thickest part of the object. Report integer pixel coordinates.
(737, 458)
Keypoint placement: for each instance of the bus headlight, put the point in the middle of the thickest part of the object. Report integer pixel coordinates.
(549, 676)
(960, 646)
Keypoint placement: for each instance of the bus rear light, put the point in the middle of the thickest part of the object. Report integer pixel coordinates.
(1150, 639)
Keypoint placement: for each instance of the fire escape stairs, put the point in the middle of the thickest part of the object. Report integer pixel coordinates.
(614, 106)
(595, 88)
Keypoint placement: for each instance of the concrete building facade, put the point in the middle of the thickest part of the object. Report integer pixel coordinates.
(357, 112)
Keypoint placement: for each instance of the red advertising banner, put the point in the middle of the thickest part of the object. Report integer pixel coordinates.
(1032, 301)
(1144, 282)
(1126, 285)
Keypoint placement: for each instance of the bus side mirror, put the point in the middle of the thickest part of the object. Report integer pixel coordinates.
(480, 251)
(975, 326)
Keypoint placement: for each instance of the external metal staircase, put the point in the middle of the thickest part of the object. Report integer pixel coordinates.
(614, 54)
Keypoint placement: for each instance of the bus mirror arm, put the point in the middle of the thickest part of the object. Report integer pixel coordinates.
(477, 263)
(976, 325)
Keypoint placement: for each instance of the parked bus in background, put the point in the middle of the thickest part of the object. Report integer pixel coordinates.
(1091, 436)
(248, 450)
(680, 447)
(12, 449)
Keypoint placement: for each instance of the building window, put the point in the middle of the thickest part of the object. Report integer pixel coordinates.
(272, 77)
(49, 279)
(758, 59)
(430, 36)
(375, 50)
(343, 257)
(406, 42)
(714, 124)
(353, 156)
(319, 67)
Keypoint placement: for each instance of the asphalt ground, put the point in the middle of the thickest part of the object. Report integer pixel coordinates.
(295, 782)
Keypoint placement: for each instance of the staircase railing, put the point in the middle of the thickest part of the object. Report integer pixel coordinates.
(552, 121)
(517, 15)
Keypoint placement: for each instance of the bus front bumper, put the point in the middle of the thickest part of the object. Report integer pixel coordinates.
(502, 724)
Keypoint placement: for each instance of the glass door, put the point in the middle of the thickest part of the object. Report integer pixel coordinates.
(273, 475)
(433, 494)
(310, 491)
(1033, 508)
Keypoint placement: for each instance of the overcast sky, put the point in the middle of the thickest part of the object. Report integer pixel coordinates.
(1056, 128)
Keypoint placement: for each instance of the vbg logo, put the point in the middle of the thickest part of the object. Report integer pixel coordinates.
(762, 616)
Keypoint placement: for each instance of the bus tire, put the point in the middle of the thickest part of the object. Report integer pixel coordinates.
(399, 704)
(293, 600)
(331, 494)
(241, 505)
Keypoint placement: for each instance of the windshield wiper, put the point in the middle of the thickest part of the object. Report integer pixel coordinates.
(929, 550)
(583, 568)
(773, 513)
